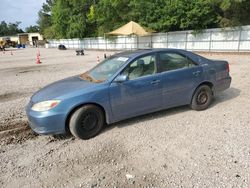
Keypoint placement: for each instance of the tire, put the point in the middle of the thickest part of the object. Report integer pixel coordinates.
(202, 98)
(86, 122)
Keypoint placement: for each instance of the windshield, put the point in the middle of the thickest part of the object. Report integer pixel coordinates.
(104, 70)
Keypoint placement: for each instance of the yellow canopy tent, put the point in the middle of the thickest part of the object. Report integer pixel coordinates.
(131, 28)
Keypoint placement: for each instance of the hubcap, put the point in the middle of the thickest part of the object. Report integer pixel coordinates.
(89, 121)
(202, 98)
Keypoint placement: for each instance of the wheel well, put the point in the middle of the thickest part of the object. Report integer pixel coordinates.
(77, 107)
(208, 84)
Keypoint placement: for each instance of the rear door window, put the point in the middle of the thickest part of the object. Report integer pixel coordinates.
(173, 61)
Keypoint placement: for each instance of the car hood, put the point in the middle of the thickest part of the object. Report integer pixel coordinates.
(61, 88)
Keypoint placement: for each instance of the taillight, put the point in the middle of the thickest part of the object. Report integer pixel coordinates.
(228, 67)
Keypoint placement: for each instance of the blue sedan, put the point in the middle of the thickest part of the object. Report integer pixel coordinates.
(126, 85)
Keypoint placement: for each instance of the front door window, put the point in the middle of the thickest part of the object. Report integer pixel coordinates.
(141, 67)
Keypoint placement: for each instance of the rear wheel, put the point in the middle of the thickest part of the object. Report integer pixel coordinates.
(202, 98)
(86, 122)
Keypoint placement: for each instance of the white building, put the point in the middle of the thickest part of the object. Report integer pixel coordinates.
(24, 38)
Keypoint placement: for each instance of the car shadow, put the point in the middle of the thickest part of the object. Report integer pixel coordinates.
(226, 95)
(222, 97)
(147, 117)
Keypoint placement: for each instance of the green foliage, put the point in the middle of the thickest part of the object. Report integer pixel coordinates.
(50, 33)
(44, 19)
(111, 14)
(85, 18)
(159, 15)
(232, 12)
(7, 29)
(32, 29)
(72, 19)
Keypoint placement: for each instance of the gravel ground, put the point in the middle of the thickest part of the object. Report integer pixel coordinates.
(173, 148)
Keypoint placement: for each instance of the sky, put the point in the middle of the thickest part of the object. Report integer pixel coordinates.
(25, 11)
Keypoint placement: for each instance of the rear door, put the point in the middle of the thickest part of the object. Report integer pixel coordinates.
(141, 93)
(180, 76)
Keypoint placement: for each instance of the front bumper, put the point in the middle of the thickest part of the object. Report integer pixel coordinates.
(47, 122)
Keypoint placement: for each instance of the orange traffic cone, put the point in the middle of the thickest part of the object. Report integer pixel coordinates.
(38, 59)
(98, 59)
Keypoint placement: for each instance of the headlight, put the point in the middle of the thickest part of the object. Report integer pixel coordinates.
(45, 105)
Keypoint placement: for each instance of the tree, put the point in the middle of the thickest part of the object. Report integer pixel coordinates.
(112, 14)
(232, 12)
(168, 15)
(70, 19)
(159, 15)
(3, 28)
(85, 18)
(44, 19)
(10, 28)
(32, 29)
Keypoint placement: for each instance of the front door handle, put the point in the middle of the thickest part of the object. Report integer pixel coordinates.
(155, 82)
(196, 73)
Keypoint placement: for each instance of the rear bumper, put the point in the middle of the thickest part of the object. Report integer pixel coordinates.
(222, 84)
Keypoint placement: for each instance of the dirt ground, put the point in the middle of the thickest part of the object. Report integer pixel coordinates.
(173, 148)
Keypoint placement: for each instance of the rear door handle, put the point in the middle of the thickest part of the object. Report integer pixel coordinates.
(155, 82)
(196, 73)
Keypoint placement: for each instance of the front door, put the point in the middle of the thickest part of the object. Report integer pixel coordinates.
(141, 93)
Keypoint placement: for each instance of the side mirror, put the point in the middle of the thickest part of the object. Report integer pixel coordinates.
(121, 78)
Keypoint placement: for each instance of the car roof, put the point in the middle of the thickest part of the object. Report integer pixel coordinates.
(135, 53)
(131, 54)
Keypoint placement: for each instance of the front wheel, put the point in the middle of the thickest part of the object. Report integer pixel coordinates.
(86, 122)
(202, 98)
